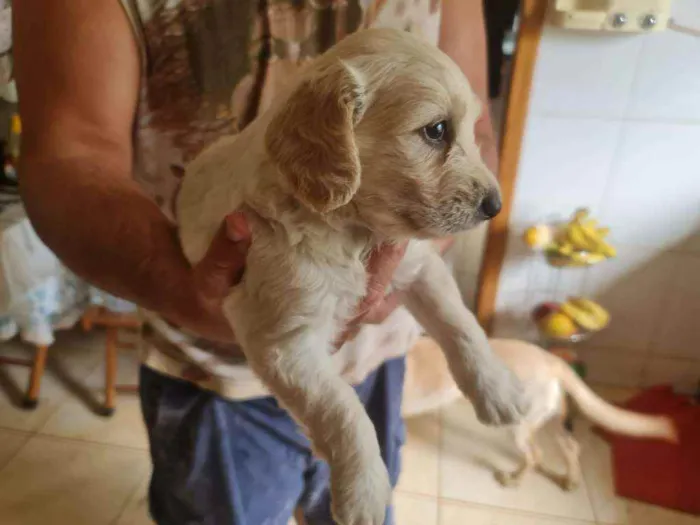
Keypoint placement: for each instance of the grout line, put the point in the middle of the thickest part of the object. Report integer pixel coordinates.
(626, 352)
(440, 416)
(520, 512)
(16, 452)
(127, 503)
(90, 442)
(601, 118)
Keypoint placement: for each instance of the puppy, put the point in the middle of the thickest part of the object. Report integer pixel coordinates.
(547, 379)
(374, 143)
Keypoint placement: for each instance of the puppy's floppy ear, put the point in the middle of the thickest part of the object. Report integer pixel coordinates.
(311, 140)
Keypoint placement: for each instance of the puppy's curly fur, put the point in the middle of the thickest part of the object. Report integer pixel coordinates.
(352, 157)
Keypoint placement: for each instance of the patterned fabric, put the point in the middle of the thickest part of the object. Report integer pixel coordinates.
(209, 68)
(39, 295)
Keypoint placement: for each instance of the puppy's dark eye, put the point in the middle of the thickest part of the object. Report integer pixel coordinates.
(436, 133)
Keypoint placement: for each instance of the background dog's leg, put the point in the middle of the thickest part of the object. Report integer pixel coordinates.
(571, 451)
(524, 437)
(434, 300)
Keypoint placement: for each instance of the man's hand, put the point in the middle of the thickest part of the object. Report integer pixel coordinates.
(212, 279)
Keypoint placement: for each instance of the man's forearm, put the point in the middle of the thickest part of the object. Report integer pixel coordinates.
(105, 229)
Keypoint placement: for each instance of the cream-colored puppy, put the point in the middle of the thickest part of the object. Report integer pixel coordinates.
(373, 143)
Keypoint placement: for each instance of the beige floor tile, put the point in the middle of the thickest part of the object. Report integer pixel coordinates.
(421, 456)
(136, 511)
(641, 514)
(415, 510)
(471, 452)
(52, 394)
(76, 420)
(74, 356)
(10, 443)
(460, 514)
(61, 482)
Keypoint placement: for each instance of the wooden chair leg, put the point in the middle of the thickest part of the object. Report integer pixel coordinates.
(110, 372)
(32, 397)
(86, 323)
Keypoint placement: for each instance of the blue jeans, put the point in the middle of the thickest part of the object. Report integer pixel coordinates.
(222, 462)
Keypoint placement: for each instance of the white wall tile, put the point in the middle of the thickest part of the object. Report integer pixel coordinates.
(571, 282)
(686, 12)
(610, 367)
(512, 319)
(683, 375)
(654, 193)
(678, 332)
(515, 274)
(565, 165)
(630, 286)
(584, 74)
(543, 277)
(667, 82)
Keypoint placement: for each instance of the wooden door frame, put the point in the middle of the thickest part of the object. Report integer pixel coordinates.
(532, 17)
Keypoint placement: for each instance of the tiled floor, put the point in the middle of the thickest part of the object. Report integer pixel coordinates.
(62, 465)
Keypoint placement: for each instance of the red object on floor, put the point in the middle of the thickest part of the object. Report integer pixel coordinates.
(656, 472)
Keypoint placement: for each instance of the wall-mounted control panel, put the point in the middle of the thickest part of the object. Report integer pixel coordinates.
(625, 16)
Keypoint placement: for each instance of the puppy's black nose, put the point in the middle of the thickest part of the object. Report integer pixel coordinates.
(491, 205)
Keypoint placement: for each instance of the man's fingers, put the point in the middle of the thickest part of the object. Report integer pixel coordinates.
(222, 266)
(383, 309)
(381, 266)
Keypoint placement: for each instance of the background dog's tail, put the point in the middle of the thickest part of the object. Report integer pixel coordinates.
(610, 417)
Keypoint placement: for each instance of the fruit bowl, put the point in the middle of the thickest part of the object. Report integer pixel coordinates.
(574, 338)
(580, 242)
(572, 321)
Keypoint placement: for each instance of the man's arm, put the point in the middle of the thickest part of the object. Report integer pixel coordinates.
(78, 82)
(78, 72)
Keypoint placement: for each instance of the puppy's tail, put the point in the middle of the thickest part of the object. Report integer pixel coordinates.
(610, 417)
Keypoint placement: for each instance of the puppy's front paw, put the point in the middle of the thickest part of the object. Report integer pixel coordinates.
(499, 397)
(360, 492)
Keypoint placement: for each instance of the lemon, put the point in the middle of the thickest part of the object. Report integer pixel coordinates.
(538, 236)
(558, 325)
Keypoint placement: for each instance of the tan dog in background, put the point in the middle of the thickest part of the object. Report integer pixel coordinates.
(374, 143)
(547, 380)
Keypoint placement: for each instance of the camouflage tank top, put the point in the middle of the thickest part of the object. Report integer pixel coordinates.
(209, 68)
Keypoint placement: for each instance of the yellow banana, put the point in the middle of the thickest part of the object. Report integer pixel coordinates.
(565, 249)
(594, 309)
(580, 317)
(576, 236)
(590, 223)
(597, 244)
(581, 214)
